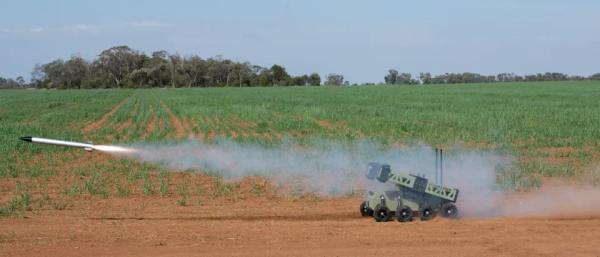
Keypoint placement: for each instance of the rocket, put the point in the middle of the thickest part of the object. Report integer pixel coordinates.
(86, 146)
(47, 141)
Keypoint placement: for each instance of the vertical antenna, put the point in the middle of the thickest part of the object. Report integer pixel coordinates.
(436, 165)
(441, 168)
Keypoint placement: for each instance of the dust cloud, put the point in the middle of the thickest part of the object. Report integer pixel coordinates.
(553, 201)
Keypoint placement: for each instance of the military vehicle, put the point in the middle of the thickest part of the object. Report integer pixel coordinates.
(414, 196)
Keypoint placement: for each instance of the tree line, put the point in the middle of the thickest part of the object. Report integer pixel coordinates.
(124, 67)
(395, 78)
(19, 82)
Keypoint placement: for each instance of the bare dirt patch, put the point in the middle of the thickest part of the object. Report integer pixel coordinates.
(96, 124)
(125, 125)
(188, 127)
(143, 226)
(326, 124)
(332, 126)
(245, 128)
(161, 124)
(194, 124)
(211, 135)
(150, 126)
(200, 136)
(179, 129)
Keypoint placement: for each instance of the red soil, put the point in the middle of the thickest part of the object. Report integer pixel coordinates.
(326, 124)
(150, 126)
(161, 124)
(125, 125)
(175, 122)
(156, 226)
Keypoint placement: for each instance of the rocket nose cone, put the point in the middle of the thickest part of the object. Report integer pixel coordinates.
(26, 139)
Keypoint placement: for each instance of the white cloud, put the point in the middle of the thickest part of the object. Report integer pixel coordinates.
(23, 30)
(83, 27)
(39, 29)
(36, 29)
(149, 24)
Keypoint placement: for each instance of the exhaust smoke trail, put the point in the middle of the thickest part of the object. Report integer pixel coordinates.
(114, 149)
(333, 168)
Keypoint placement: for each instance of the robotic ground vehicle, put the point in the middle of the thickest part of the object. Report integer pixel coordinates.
(414, 196)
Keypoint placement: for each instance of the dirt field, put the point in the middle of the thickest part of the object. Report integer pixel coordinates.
(146, 226)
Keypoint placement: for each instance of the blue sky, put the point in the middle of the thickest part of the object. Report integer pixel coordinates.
(360, 39)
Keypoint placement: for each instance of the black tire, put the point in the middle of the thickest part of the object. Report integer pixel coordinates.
(404, 214)
(365, 211)
(427, 213)
(449, 211)
(381, 213)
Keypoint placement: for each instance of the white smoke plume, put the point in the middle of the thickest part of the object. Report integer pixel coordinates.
(333, 168)
(553, 201)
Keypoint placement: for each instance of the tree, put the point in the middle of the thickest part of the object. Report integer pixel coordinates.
(506, 77)
(9, 83)
(595, 76)
(159, 69)
(280, 75)
(218, 71)
(334, 79)
(392, 77)
(119, 61)
(299, 80)
(176, 68)
(54, 74)
(20, 81)
(404, 79)
(314, 79)
(425, 77)
(75, 71)
(140, 77)
(265, 77)
(195, 70)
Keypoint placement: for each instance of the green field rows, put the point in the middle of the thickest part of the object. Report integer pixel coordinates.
(552, 128)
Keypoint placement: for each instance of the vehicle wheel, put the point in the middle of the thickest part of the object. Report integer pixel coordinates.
(365, 211)
(427, 213)
(404, 214)
(381, 213)
(449, 210)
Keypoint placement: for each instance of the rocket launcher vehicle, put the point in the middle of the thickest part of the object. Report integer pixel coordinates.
(414, 195)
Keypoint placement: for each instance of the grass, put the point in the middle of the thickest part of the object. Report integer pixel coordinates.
(221, 188)
(95, 185)
(17, 205)
(122, 191)
(164, 182)
(552, 128)
(181, 202)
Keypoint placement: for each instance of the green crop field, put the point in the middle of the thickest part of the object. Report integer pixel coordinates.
(551, 128)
